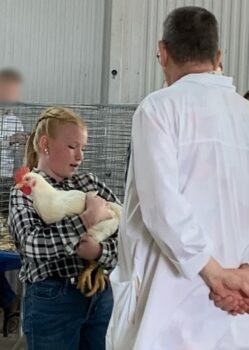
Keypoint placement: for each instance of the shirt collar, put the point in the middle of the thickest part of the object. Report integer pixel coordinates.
(50, 179)
(208, 78)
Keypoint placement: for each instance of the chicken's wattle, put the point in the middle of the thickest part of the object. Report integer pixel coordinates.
(26, 190)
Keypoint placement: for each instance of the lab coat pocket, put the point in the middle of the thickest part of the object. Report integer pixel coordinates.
(125, 295)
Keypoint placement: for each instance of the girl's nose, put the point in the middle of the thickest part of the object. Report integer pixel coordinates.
(79, 155)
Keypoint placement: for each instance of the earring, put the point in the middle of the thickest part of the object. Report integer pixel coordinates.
(45, 150)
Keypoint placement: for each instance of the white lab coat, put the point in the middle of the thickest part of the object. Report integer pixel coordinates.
(187, 198)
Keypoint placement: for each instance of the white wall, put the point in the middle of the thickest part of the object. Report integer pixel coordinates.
(137, 27)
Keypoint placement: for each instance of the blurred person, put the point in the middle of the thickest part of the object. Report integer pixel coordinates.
(11, 131)
(11, 136)
(10, 86)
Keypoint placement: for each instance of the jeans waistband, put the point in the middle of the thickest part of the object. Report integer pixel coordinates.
(56, 278)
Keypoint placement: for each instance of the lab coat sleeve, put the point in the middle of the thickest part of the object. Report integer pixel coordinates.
(165, 211)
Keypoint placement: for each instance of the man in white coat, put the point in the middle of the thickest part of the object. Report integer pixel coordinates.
(185, 226)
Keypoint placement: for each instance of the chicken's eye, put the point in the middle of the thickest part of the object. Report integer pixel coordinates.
(27, 179)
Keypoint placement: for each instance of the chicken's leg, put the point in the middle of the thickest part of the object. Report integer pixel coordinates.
(99, 283)
(85, 279)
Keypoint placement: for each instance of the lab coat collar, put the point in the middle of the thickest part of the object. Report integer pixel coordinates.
(208, 78)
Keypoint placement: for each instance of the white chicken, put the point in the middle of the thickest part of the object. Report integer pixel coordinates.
(53, 205)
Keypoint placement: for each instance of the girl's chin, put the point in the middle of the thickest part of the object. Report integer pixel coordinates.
(72, 171)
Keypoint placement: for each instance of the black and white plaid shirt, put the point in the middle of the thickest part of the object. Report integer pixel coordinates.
(49, 250)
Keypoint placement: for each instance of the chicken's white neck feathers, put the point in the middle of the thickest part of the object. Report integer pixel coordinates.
(41, 187)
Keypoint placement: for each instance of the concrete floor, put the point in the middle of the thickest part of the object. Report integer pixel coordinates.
(9, 342)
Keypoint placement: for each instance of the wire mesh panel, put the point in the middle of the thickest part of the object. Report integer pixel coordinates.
(109, 129)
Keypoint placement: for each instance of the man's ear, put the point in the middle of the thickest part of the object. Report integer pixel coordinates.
(163, 53)
(217, 59)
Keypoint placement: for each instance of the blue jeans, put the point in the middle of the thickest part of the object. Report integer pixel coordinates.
(59, 316)
(7, 295)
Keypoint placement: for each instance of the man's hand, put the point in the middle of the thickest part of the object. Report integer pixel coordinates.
(229, 287)
(231, 303)
(89, 249)
(19, 137)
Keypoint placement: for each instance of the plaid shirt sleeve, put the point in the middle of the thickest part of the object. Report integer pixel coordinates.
(36, 240)
(108, 258)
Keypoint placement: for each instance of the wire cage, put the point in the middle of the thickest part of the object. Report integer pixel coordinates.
(109, 129)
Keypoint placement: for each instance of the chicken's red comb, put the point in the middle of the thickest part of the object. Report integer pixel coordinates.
(20, 173)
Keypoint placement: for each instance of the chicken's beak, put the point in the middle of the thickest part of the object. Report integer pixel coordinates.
(19, 185)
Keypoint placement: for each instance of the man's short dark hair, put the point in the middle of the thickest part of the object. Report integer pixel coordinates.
(10, 74)
(191, 35)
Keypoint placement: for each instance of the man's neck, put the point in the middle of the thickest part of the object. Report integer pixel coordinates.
(176, 72)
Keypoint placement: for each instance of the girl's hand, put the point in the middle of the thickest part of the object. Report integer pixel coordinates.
(89, 249)
(97, 209)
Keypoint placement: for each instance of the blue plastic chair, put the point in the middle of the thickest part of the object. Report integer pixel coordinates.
(9, 261)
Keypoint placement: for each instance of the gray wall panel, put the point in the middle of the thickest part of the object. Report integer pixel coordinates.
(66, 49)
(57, 45)
(136, 28)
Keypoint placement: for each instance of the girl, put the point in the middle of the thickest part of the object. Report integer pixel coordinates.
(56, 313)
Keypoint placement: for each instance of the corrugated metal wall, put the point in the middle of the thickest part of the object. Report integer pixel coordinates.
(137, 27)
(57, 45)
(67, 49)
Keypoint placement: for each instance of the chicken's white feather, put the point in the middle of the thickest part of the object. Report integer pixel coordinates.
(53, 205)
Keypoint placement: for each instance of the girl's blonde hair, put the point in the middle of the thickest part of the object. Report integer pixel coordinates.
(47, 124)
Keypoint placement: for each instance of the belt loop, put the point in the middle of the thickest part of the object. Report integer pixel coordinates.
(66, 284)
